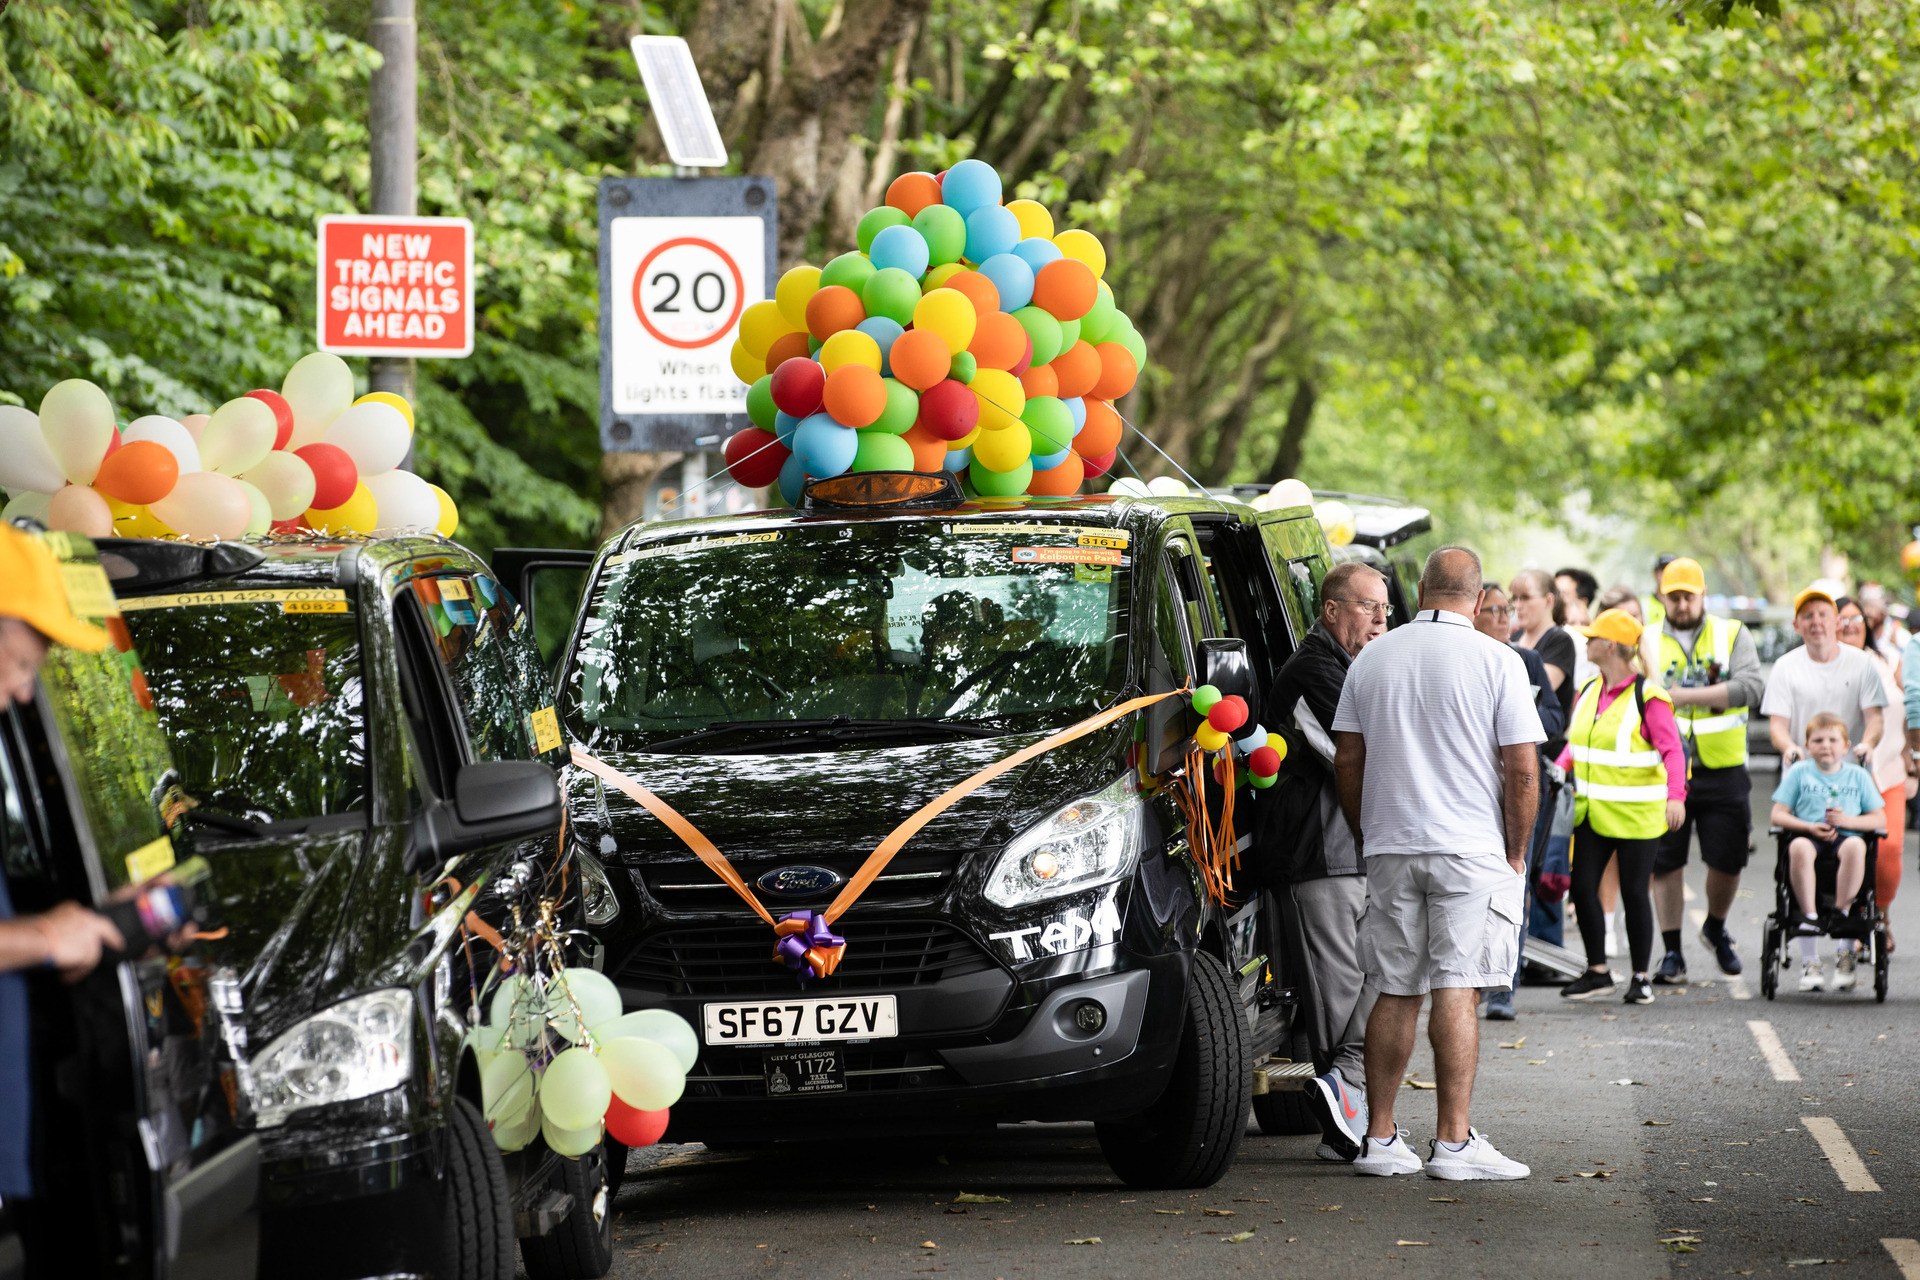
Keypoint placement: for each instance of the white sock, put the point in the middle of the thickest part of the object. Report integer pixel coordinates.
(1807, 954)
(1843, 947)
(1610, 919)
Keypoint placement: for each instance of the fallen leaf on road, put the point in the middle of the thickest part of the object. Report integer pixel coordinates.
(1699, 1199)
(1413, 1083)
(1805, 1200)
(968, 1197)
(1597, 1173)
(1656, 1123)
(1240, 1237)
(956, 1208)
(1681, 1244)
(1816, 1262)
(1536, 1062)
(1088, 1240)
(1329, 1208)
(928, 1244)
(1515, 1044)
(1216, 1213)
(1638, 1082)
(1441, 1200)
(1408, 1244)
(1171, 1212)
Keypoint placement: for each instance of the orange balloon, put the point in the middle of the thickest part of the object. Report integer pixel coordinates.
(1065, 288)
(920, 358)
(929, 450)
(1078, 370)
(998, 340)
(1101, 434)
(138, 473)
(1040, 381)
(855, 395)
(832, 309)
(912, 192)
(1118, 373)
(1061, 480)
(980, 291)
(786, 347)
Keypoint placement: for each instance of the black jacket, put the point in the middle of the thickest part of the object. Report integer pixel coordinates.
(1289, 834)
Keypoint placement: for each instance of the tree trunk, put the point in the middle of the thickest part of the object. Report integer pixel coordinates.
(1293, 433)
(626, 478)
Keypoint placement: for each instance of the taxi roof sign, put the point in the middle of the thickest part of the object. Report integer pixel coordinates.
(679, 101)
(889, 489)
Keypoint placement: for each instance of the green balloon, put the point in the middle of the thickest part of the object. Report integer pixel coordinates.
(1050, 423)
(878, 451)
(963, 368)
(760, 405)
(851, 270)
(1000, 484)
(1043, 330)
(1069, 334)
(892, 293)
(874, 221)
(1136, 345)
(945, 232)
(902, 411)
(814, 345)
(1204, 697)
(1097, 323)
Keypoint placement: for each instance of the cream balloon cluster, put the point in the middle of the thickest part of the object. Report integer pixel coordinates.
(1336, 517)
(309, 456)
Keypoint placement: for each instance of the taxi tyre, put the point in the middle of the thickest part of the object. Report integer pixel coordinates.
(1286, 1111)
(1188, 1137)
(580, 1248)
(479, 1223)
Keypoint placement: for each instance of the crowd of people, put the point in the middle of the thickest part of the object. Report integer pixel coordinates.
(1516, 745)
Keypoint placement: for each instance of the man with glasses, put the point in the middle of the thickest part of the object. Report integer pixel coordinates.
(1323, 862)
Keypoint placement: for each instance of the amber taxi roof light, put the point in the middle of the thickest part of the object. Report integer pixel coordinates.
(885, 490)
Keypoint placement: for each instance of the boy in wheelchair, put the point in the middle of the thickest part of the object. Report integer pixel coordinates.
(1820, 805)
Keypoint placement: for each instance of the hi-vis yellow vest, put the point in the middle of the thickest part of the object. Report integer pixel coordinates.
(1619, 782)
(1719, 737)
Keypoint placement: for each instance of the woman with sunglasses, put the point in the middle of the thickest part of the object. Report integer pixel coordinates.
(1887, 764)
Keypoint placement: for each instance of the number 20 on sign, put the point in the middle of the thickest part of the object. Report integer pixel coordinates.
(682, 284)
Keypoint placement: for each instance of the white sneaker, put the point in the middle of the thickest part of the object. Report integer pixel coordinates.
(1810, 979)
(1478, 1161)
(1843, 971)
(1384, 1157)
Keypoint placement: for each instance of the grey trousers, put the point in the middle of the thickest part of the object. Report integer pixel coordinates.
(1330, 911)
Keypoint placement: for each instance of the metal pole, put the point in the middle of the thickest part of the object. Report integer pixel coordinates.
(394, 148)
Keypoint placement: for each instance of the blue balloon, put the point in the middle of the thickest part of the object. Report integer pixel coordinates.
(884, 331)
(970, 185)
(783, 425)
(823, 446)
(1037, 253)
(1048, 461)
(991, 229)
(792, 477)
(959, 459)
(1012, 277)
(1077, 408)
(905, 248)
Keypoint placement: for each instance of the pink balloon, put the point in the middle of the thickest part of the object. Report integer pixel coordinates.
(205, 504)
(195, 423)
(79, 509)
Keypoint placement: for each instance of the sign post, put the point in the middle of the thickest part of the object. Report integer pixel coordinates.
(400, 287)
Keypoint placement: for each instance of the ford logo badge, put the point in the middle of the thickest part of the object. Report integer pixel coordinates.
(801, 881)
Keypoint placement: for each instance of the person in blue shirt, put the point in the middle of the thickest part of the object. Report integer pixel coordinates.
(1826, 799)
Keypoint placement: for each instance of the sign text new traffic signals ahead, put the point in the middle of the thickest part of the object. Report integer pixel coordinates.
(680, 260)
(394, 286)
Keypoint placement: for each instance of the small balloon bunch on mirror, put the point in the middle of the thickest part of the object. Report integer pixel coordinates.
(1255, 756)
(308, 457)
(963, 334)
(561, 1061)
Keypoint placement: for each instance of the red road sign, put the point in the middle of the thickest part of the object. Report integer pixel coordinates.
(396, 286)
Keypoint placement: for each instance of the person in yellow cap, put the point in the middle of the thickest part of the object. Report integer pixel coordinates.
(1712, 672)
(1629, 790)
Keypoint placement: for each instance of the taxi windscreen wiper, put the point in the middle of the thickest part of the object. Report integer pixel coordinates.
(833, 729)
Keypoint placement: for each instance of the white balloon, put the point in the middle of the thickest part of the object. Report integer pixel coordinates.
(662, 1026)
(405, 501)
(375, 435)
(26, 464)
(27, 506)
(261, 519)
(286, 480)
(1130, 487)
(76, 421)
(237, 436)
(1332, 513)
(1167, 487)
(170, 435)
(1291, 493)
(319, 387)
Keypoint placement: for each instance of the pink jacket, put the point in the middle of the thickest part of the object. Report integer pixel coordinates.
(1660, 729)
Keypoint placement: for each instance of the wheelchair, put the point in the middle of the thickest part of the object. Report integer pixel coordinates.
(1863, 921)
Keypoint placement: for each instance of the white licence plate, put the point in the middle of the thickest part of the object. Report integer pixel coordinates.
(784, 1021)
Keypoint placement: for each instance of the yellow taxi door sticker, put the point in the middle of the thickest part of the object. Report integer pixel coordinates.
(290, 600)
(546, 730)
(150, 859)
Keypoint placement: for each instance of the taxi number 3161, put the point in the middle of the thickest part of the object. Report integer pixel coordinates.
(777, 1022)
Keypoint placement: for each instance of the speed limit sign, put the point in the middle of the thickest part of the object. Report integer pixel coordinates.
(689, 292)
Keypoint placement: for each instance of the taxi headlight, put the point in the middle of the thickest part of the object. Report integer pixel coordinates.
(356, 1049)
(597, 899)
(1092, 841)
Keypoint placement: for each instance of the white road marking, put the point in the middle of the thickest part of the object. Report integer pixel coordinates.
(1906, 1256)
(1772, 1050)
(1840, 1154)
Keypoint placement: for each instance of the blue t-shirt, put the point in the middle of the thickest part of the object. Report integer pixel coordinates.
(1809, 792)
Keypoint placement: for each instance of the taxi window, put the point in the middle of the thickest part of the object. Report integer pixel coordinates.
(473, 618)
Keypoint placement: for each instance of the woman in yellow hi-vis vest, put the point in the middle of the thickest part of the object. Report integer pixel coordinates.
(1629, 788)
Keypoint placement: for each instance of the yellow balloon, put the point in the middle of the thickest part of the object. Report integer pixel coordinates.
(1033, 218)
(939, 276)
(849, 346)
(1002, 450)
(131, 521)
(792, 293)
(948, 313)
(1279, 744)
(449, 514)
(389, 398)
(966, 441)
(760, 324)
(1002, 400)
(746, 366)
(358, 514)
(1209, 738)
(1085, 246)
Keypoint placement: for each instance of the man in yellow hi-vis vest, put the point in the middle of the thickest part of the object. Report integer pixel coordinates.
(1709, 666)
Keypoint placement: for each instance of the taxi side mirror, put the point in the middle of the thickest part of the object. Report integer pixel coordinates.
(494, 802)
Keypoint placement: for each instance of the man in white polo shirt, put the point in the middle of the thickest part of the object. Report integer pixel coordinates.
(1437, 766)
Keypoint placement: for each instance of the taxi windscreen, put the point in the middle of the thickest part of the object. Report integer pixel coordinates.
(897, 629)
(261, 696)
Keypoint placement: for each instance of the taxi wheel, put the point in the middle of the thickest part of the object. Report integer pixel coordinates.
(479, 1219)
(1188, 1137)
(580, 1248)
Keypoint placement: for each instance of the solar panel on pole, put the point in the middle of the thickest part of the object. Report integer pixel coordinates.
(679, 102)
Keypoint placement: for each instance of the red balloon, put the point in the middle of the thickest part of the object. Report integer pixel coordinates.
(282, 413)
(334, 475)
(634, 1128)
(798, 386)
(1100, 465)
(1263, 761)
(755, 457)
(949, 410)
(1229, 713)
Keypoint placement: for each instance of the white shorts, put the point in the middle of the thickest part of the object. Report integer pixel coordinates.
(1440, 920)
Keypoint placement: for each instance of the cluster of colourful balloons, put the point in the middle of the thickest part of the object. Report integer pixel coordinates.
(963, 334)
(1259, 752)
(613, 1072)
(308, 456)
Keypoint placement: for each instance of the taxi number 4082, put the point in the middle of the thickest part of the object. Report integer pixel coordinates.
(782, 1021)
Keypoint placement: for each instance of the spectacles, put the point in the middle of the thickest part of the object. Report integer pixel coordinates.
(1847, 624)
(1526, 599)
(1373, 608)
(1496, 610)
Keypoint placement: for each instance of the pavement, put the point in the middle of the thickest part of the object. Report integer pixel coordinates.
(1711, 1133)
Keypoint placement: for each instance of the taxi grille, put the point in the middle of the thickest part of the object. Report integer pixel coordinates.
(737, 960)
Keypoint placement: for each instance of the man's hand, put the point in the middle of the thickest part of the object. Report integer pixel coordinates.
(75, 937)
(1676, 814)
(1860, 751)
(1791, 756)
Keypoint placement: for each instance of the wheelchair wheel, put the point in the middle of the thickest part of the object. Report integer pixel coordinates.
(1770, 960)
(1881, 962)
